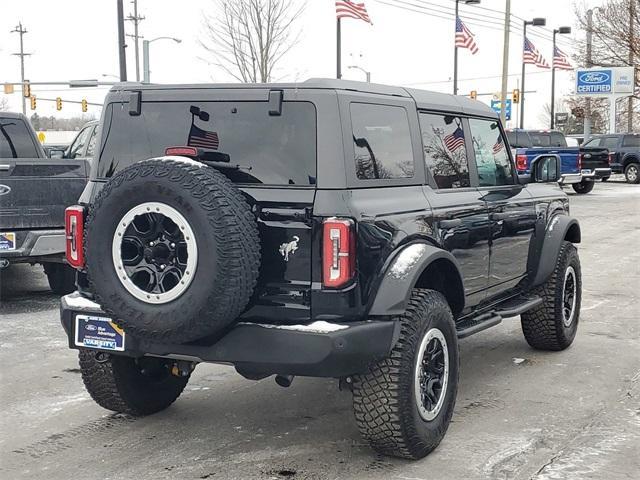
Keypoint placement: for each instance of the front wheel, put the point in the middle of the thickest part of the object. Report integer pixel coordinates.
(553, 325)
(632, 173)
(128, 385)
(403, 404)
(583, 187)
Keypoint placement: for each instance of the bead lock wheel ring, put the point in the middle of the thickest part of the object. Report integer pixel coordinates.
(163, 251)
(569, 296)
(431, 375)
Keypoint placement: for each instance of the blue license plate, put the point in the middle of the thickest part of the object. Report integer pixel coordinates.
(98, 332)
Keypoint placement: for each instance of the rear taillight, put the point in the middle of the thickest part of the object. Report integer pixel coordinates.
(521, 162)
(579, 161)
(612, 157)
(338, 252)
(74, 232)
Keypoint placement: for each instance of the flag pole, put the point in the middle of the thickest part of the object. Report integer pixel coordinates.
(338, 50)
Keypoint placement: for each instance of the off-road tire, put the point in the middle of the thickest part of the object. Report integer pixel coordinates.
(118, 384)
(61, 277)
(226, 235)
(543, 326)
(628, 173)
(384, 400)
(583, 187)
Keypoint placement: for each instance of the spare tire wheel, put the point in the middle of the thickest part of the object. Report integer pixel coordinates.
(172, 250)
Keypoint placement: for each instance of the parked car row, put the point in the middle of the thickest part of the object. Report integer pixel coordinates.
(624, 153)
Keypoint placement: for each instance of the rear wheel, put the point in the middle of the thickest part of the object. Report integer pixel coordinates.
(583, 187)
(127, 385)
(632, 173)
(61, 277)
(404, 403)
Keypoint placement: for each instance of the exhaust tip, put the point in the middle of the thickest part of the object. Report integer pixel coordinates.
(284, 380)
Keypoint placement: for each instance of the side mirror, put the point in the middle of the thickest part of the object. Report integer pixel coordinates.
(56, 153)
(545, 169)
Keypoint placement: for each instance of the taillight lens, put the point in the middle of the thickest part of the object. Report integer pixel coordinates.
(182, 151)
(338, 252)
(74, 232)
(612, 156)
(521, 162)
(580, 161)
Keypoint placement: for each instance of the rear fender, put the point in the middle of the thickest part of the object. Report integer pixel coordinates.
(416, 265)
(559, 229)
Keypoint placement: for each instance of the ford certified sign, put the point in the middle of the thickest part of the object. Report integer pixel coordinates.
(594, 81)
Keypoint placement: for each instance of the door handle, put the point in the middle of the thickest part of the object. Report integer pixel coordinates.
(453, 223)
(4, 167)
(499, 216)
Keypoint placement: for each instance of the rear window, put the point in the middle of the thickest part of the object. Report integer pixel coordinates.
(262, 148)
(540, 139)
(631, 141)
(15, 139)
(519, 139)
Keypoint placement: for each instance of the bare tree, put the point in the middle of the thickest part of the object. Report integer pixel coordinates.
(247, 38)
(4, 104)
(615, 43)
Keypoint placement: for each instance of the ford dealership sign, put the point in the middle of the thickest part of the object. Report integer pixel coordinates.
(605, 81)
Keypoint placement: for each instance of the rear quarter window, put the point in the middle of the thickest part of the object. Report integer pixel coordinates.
(631, 141)
(268, 149)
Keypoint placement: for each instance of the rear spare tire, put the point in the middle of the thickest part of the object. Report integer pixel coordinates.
(172, 250)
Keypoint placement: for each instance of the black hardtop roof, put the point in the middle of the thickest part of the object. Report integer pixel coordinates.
(424, 99)
(13, 115)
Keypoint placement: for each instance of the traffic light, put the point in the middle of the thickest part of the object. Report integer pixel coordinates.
(58, 103)
(8, 88)
(26, 89)
(33, 102)
(474, 94)
(84, 105)
(515, 96)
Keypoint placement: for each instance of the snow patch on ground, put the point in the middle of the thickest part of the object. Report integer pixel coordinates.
(77, 301)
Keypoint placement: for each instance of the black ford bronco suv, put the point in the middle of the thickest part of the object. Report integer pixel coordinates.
(326, 228)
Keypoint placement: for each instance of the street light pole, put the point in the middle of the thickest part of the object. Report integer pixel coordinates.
(538, 22)
(505, 63)
(21, 31)
(562, 30)
(122, 55)
(146, 71)
(455, 48)
(366, 72)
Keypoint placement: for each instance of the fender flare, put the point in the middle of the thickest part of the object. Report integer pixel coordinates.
(559, 229)
(402, 274)
(629, 158)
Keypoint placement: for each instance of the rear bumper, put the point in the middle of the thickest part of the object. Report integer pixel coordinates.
(318, 350)
(597, 174)
(36, 243)
(569, 178)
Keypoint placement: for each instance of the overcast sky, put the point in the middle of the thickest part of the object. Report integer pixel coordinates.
(77, 39)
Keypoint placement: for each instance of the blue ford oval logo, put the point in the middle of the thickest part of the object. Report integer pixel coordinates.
(594, 78)
(4, 189)
(91, 328)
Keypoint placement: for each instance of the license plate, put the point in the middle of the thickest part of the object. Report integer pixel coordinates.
(585, 171)
(98, 332)
(7, 241)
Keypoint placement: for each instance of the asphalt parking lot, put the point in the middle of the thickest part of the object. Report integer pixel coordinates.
(520, 413)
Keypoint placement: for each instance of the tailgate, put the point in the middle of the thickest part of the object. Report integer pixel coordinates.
(594, 157)
(38, 190)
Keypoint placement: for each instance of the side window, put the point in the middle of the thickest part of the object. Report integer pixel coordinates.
(610, 143)
(557, 140)
(92, 142)
(631, 141)
(382, 143)
(595, 142)
(445, 154)
(79, 143)
(15, 139)
(492, 159)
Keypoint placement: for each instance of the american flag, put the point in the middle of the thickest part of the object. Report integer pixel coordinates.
(532, 55)
(499, 145)
(345, 8)
(454, 140)
(464, 37)
(203, 139)
(560, 60)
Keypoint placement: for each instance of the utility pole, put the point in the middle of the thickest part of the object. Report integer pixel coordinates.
(505, 63)
(122, 54)
(631, 64)
(21, 31)
(136, 19)
(589, 64)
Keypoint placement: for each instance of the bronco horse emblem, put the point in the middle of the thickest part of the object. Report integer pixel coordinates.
(288, 248)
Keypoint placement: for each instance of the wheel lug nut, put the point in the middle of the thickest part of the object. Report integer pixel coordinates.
(162, 267)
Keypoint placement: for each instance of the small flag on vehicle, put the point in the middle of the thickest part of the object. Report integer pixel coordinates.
(532, 55)
(203, 139)
(498, 146)
(464, 37)
(454, 140)
(560, 60)
(345, 8)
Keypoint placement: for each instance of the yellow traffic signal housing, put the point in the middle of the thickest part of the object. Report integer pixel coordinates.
(515, 96)
(84, 105)
(8, 88)
(33, 102)
(474, 94)
(26, 89)
(58, 103)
